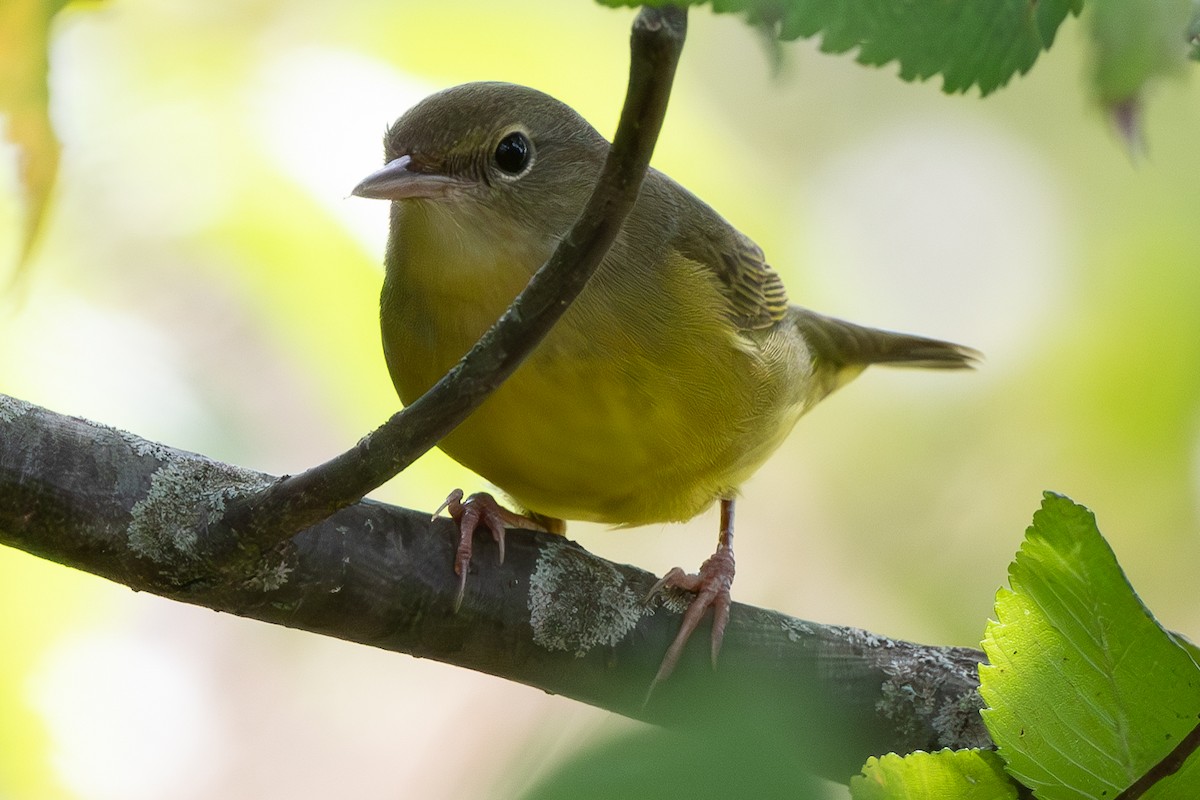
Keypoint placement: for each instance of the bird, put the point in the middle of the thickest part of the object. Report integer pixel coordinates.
(670, 380)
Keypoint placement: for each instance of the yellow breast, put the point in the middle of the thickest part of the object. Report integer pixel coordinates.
(642, 405)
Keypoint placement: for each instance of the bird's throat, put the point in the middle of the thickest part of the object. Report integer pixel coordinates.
(450, 276)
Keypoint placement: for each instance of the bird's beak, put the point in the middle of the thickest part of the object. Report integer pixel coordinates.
(401, 180)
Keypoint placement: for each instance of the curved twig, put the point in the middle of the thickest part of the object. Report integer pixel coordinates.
(293, 503)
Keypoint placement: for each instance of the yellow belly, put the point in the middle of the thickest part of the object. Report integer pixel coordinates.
(581, 438)
(623, 415)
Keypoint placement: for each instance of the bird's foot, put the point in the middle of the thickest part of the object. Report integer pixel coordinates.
(711, 586)
(479, 509)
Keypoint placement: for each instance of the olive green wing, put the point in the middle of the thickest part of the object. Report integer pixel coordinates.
(757, 298)
(752, 289)
(756, 293)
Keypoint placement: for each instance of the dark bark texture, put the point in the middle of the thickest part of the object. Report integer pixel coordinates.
(552, 616)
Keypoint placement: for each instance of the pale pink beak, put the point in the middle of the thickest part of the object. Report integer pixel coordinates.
(400, 180)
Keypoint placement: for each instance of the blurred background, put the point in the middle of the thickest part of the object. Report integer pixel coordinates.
(204, 280)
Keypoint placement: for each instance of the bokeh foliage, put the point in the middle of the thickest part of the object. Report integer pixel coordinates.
(202, 280)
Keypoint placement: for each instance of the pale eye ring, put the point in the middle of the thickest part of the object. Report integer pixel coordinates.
(513, 153)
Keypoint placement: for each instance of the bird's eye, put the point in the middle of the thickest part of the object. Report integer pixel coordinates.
(513, 152)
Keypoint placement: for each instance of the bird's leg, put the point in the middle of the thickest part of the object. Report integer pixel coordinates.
(480, 509)
(711, 586)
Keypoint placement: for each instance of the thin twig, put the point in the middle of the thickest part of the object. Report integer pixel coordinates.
(294, 503)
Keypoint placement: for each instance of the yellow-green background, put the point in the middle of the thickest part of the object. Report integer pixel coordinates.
(205, 281)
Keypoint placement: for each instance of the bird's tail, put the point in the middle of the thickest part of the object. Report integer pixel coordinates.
(847, 347)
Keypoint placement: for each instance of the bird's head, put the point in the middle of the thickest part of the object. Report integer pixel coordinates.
(493, 153)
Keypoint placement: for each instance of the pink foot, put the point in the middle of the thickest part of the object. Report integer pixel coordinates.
(479, 509)
(712, 587)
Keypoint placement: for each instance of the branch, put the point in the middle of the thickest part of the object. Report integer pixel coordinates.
(552, 616)
(288, 505)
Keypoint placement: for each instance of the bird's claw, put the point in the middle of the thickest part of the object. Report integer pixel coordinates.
(478, 509)
(712, 587)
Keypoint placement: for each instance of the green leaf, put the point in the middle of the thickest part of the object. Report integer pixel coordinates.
(968, 42)
(655, 762)
(1086, 692)
(1193, 32)
(947, 775)
(1137, 41)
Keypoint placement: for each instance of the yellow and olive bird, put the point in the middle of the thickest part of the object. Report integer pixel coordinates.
(675, 374)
